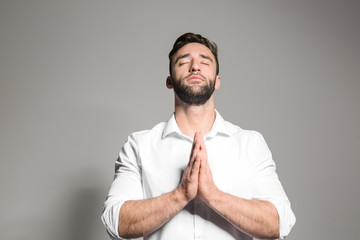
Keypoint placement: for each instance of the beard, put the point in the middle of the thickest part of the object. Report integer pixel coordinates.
(192, 95)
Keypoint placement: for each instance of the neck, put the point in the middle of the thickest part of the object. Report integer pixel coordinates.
(191, 119)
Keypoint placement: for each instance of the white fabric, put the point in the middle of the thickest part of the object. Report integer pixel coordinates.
(151, 163)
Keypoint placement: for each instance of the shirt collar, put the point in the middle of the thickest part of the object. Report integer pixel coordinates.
(219, 127)
(171, 127)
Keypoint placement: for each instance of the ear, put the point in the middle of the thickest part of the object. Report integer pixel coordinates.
(218, 82)
(169, 83)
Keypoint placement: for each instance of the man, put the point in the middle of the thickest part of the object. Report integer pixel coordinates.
(196, 176)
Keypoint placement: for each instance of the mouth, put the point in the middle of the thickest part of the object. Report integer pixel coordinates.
(197, 78)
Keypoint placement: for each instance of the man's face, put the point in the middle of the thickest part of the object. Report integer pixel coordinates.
(194, 76)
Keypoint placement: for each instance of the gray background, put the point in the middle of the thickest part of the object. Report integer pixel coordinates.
(78, 76)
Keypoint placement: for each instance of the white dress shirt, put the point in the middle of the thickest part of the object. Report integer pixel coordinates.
(151, 163)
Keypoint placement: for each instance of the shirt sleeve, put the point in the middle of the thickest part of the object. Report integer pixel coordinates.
(266, 185)
(126, 186)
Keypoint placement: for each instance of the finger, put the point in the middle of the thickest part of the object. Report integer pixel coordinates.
(195, 166)
(200, 139)
(195, 137)
(202, 144)
(195, 146)
(194, 153)
(196, 134)
(199, 136)
(203, 147)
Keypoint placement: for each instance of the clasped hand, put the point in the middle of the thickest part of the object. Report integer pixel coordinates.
(197, 179)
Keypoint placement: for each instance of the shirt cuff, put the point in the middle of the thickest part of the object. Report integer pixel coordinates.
(286, 218)
(110, 218)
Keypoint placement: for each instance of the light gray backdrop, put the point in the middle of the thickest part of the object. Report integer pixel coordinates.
(78, 76)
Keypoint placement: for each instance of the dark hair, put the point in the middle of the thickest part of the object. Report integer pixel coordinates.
(193, 38)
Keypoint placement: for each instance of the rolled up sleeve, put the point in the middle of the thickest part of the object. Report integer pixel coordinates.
(126, 186)
(266, 185)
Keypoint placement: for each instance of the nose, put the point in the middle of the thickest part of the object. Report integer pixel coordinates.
(195, 66)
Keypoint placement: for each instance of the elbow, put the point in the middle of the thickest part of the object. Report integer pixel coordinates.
(128, 231)
(275, 231)
(274, 234)
(269, 229)
(271, 233)
(126, 235)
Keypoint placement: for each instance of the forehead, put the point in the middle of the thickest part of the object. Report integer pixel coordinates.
(194, 49)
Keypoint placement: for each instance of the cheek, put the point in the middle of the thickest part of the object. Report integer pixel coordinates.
(178, 72)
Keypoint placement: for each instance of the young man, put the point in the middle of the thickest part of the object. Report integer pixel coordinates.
(196, 176)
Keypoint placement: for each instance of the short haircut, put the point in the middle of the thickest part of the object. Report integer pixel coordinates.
(193, 38)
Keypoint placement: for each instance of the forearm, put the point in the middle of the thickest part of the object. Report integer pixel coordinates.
(256, 218)
(141, 217)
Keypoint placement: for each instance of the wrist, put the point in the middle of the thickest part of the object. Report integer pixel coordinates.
(212, 196)
(179, 196)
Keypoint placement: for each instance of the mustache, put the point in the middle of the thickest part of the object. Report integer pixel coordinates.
(199, 75)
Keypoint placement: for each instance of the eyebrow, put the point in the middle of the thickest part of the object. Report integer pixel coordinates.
(181, 57)
(188, 54)
(206, 57)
